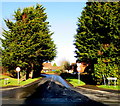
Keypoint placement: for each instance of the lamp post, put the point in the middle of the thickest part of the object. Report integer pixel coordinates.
(18, 70)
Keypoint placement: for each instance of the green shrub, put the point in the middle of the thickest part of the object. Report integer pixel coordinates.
(57, 71)
(103, 70)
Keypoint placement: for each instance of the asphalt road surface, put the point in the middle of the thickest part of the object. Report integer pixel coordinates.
(53, 91)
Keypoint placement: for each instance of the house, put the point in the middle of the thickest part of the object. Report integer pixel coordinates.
(48, 67)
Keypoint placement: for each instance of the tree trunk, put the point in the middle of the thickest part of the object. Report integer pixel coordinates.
(28, 73)
(37, 70)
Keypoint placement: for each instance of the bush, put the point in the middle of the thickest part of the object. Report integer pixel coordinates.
(58, 71)
(103, 70)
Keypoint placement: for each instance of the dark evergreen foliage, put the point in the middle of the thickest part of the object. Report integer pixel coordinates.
(98, 35)
(28, 41)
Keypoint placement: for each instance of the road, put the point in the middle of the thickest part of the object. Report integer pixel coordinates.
(53, 90)
(52, 93)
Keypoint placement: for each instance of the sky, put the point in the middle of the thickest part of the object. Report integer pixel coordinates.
(62, 16)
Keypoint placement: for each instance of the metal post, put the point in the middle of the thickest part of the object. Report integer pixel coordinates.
(18, 70)
(109, 82)
(114, 82)
(78, 77)
(18, 78)
(78, 69)
(104, 80)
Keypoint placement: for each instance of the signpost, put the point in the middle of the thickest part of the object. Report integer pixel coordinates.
(18, 74)
(78, 69)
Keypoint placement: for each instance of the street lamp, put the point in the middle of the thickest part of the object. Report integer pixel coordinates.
(18, 70)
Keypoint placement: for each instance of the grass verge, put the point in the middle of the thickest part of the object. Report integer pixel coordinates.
(75, 82)
(110, 87)
(14, 82)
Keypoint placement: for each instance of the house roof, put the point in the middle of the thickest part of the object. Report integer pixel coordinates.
(49, 66)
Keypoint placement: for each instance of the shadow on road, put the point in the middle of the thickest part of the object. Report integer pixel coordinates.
(51, 93)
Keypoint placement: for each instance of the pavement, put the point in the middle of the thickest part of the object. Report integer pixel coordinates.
(106, 96)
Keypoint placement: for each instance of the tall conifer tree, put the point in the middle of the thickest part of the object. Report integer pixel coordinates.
(28, 41)
(98, 32)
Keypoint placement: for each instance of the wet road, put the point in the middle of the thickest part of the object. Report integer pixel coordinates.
(57, 78)
(53, 90)
(52, 93)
